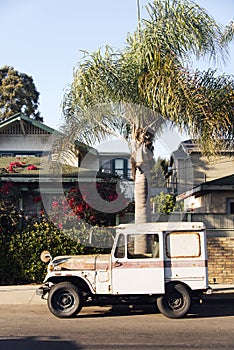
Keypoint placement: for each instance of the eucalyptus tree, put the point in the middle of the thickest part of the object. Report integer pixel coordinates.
(131, 93)
(18, 94)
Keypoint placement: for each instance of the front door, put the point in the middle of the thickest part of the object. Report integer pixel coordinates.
(137, 264)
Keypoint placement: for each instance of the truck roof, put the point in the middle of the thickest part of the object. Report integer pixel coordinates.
(162, 226)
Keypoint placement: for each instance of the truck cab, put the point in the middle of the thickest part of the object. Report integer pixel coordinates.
(167, 262)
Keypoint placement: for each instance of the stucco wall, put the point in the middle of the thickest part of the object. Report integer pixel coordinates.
(214, 202)
(24, 143)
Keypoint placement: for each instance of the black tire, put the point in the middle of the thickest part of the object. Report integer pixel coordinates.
(65, 300)
(176, 301)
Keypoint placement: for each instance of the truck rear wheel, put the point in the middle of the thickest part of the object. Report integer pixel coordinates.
(176, 301)
(65, 300)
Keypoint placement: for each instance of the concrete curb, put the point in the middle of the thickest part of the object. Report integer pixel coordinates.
(26, 294)
(220, 291)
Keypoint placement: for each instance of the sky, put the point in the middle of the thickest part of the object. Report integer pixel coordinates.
(44, 39)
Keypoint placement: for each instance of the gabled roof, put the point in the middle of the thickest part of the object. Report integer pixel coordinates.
(114, 147)
(225, 183)
(191, 146)
(23, 118)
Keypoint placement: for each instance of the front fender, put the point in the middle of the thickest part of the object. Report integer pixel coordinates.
(81, 281)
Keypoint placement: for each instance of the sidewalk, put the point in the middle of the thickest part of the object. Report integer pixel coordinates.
(20, 295)
(26, 294)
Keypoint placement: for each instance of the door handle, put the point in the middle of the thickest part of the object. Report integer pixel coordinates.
(118, 264)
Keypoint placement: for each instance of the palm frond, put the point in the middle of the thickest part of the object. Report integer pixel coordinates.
(148, 82)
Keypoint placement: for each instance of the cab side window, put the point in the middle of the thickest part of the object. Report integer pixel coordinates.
(120, 248)
(143, 246)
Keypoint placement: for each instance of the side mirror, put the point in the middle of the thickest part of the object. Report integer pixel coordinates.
(45, 256)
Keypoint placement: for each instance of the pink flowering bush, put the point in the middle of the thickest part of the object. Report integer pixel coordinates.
(32, 167)
(79, 230)
(14, 166)
(76, 208)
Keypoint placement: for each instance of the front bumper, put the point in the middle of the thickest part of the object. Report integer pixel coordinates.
(43, 290)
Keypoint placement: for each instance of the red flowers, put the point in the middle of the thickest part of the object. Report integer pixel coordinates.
(32, 167)
(37, 199)
(77, 206)
(55, 204)
(17, 164)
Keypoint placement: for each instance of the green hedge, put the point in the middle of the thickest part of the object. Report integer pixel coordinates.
(20, 252)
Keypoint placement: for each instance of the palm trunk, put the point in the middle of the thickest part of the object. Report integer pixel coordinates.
(142, 195)
(142, 205)
(143, 159)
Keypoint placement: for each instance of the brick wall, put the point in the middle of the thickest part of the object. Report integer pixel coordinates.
(221, 259)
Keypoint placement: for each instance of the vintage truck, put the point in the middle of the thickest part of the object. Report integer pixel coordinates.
(163, 262)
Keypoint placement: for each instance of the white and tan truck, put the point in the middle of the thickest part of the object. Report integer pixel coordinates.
(171, 271)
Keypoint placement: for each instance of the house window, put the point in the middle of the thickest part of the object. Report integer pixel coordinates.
(230, 205)
(106, 167)
(118, 166)
(6, 154)
(232, 208)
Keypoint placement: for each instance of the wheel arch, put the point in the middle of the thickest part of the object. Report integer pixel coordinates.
(194, 293)
(77, 281)
(171, 283)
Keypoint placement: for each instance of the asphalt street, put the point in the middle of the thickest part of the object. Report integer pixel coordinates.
(26, 323)
(32, 327)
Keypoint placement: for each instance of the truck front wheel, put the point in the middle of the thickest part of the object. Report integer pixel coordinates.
(65, 300)
(176, 301)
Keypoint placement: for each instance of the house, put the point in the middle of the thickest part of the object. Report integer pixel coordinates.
(207, 189)
(21, 135)
(30, 159)
(114, 158)
(215, 196)
(205, 185)
(189, 168)
(24, 136)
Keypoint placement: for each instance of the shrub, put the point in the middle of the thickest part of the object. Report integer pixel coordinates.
(22, 250)
(23, 238)
(164, 202)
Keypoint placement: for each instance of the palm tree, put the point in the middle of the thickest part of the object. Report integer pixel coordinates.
(229, 32)
(133, 92)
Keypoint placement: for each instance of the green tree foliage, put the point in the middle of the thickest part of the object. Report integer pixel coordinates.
(10, 215)
(21, 258)
(18, 94)
(22, 239)
(158, 172)
(164, 203)
(154, 70)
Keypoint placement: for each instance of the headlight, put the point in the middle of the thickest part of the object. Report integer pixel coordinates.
(50, 267)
